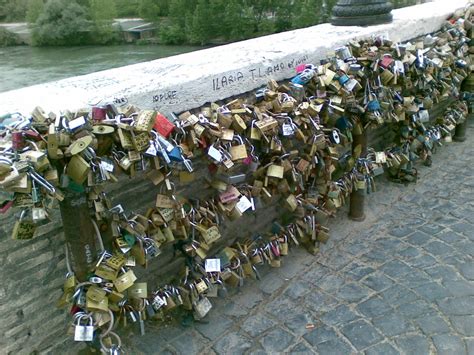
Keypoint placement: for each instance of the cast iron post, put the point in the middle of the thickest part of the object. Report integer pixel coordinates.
(361, 12)
(79, 233)
(356, 210)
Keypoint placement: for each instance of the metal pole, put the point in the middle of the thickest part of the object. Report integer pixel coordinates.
(356, 209)
(460, 132)
(79, 233)
(361, 12)
(467, 93)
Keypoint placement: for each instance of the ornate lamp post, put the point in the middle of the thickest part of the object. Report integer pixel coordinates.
(361, 12)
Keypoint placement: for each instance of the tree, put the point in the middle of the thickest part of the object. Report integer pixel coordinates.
(7, 38)
(201, 31)
(35, 8)
(283, 15)
(149, 10)
(237, 22)
(309, 13)
(127, 8)
(179, 22)
(62, 22)
(103, 13)
(13, 10)
(178, 9)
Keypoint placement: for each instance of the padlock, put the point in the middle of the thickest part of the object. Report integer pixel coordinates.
(84, 332)
(78, 169)
(201, 307)
(145, 121)
(124, 281)
(23, 228)
(38, 214)
(211, 234)
(291, 203)
(275, 171)
(138, 290)
(238, 151)
(288, 128)
(255, 134)
(163, 126)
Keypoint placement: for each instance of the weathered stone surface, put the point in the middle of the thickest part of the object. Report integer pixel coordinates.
(361, 334)
(257, 324)
(374, 307)
(413, 344)
(339, 315)
(432, 324)
(464, 324)
(382, 348)
(235, 342)
(393, 324)
(447, 344)
(277, 340)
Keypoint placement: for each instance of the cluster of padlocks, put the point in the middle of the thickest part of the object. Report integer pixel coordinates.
(289, 143)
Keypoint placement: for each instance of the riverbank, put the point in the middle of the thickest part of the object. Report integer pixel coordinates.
(25, 65)
(129, 30)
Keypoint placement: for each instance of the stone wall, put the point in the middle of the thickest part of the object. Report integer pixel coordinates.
(33, 271)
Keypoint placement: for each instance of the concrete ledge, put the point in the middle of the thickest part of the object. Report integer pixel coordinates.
(190, 80)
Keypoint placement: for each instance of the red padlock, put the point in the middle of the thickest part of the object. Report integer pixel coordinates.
(18, 141)
(300, 68)
(163, 126)
(386, 61)
(99, 113)
(5, 207)
(32, 135)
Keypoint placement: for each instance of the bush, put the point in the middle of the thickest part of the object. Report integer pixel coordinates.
(172, 34)
(62, 23)
(7, 38)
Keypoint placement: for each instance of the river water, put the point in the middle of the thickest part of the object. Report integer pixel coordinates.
(24, 66)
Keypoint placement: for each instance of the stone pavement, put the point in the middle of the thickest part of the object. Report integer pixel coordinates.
(402, 281)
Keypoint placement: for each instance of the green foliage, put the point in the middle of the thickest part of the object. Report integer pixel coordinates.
(62, 22)
(102, 13)
(149, 10)
(35, 8)
(7, 38)
(308, 13)
(172, 34)
(12, 10)
(127, 8)
(102, 10)
(201, 29)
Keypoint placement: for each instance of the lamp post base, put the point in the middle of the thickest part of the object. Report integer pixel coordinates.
(361, 12)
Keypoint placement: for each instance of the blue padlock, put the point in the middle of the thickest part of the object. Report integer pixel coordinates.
(303, 77)
(373, 105)
(344, 78)
(175, 154)
(343, 123)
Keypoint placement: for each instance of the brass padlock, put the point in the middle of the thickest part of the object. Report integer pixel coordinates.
(291, 202)
(124, 281)
(255, 133)
(78, 169)
(23, 228)
(138, 290)
(239, 151)
(145, 120)
(275, 171)
(211, 234)
(238, 124)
